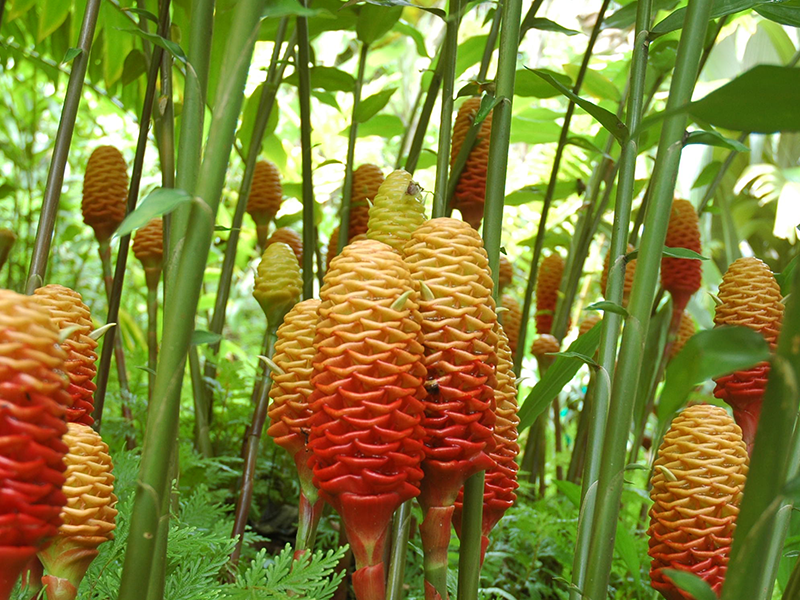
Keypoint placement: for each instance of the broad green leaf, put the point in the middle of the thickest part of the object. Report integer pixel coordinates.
(536, 193)
(784, 278)
(557, 376)
(375, 21)
(607, 305)
(762, 100)
(17, 8)
(606, 118)
(691, 583)
(533, 131)
(160, 201)
(714, 138)
(581, 357)
(415, 35)
(284, 8)
(200, 337)
(787, 13)
(626, 16)
(529, 85)
(488, 102)
(470, 52)
(174, 49)
(707, 175)
(672, 253)
(52, 13)
(709, 354)
(434, 11)
(582, 142)
(115, 46)
(570, 490)
(135, 66)
(329, 79)
(721, 8)
(71, 54)
(249, 115)
(545, 25)
(145, 14)
(594, 83)
(371, 106)
(386, 126)
(625, 545)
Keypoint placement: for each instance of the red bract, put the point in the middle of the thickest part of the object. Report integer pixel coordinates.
(365, 438)
(744, 392)
(681, 277)
(33, 400)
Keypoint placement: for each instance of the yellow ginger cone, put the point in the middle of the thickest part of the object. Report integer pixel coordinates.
(750, 297)
(367, 180)
(7, 239)
(148, 248)
(548, 283)
(366, 410)
(589, 321)
(506, 275)
(291, 238)
(397, 210)
(33, 400)
(511, 320)
(105, 191)
(630, 271)
(88, 517)
(697, 488)
(686, 329)
(470, 193)
(68, 311)
(278, 283)
(449, 264)
(266, 196)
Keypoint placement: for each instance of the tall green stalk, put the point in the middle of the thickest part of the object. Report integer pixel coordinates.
(551, 186)
(469, 565)
(347, 191)
(304, 92)
(425, 116)
(629, 365)
(446, 123)
(182, 300)
(66, 126)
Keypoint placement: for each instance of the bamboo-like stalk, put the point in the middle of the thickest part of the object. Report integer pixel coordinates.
(304, 92)
(152, 339)
(425, 116)
(115, 294)
(401, 529)
(620, 412)
(446, 123)
(469, 565)
(551, 186)
(347, 191)
(182, 300)
(66, 126)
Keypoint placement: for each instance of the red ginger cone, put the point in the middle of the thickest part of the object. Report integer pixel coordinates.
(289, 237)
(366, 439)
(266, 196)
(548, 283)
(448, 262)
(501, 479)
(681, 277)
(67, 310)
(750, 297)
(105, 191)
(148, 248)
(630, 272)
(470, 193)
(512, 320)
(89, 514)
(697, 485)
(367, 180)
(33, 399)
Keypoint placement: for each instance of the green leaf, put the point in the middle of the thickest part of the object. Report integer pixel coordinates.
(557, 376)
(415, 35)
(145, 14)
(174, 49)
(249, 115)
(626, 16)
(707, 175)
(605, 117)
(785, 14)
(371, 106)
(691, 583)
(625, 545)
(488, 102)
(720, 8)
(385, 126)
(52, 13)
(581, 357)
(545, 25)
(330, 79)
(135, 66)
(709, 354)
(608, 306)
(375, 21)
(762, 100)
(536, 193)
(160, 201)
(284, 8)
(713, 138)
(70, 55)
(571, 491)
(529, 85)
(582, 142)
(470, 52)
(434, 11)
(672, 253)
(200, 337)
(595, 84)
(784, 278)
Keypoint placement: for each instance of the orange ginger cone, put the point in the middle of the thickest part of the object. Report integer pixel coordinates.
(367, 180)
(506, 275)
(105, 191)
(397, 210)
(68, 312)
(289, 237)
(450, 266)
(548, 283)
(470, 193)
(681, 277)
(697, 488)
(686, 329)
(630, 271)
(289, 412)
(88, 516)
(750, 297)
(511, 320)
(366, 437)
(589, 321)
(501, 479)
(266, 196)
(148, 248)
(33, 401)
(333, 242)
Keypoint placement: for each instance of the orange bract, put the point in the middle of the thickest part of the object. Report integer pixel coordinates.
(367, 180)
(148, 247)
(470, 193)
(506, 275)
(548, 283)
(289, 237)
(686, 329)
(512, 320)
(589, 321)
(544, 344)
(105, 191)
(266, 196)
(682, 277)
(630, 272)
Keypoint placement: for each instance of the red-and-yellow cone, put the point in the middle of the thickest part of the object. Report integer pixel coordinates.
(105, 191)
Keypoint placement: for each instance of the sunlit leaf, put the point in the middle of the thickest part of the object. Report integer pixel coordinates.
(787, 13)
(545, 25)
(159, 202)
(529, 85)
(375, 21)
(371, 106)
(201, 337)
(714, 138)
(608, 306)
(720, 8)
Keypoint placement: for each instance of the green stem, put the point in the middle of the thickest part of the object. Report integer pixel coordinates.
(425, 117)
(723, 169)
(152, 339)
(446, 122)
(623, 393)
(469, 555)
(407, 129)
(347, 192)
(470, 140)
(304, 91)
(551, 186)
(252, 442)
(202, 427)
(182, 300)
(435, 537)
(488, 49)
(401, 529)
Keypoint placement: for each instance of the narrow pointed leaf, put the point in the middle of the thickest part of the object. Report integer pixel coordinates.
(159, 202)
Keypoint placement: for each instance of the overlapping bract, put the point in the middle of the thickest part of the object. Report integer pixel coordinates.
(506, 274)
(33, 400)
(105, 191)
(278, 282)
(544, 344)
(682, 277)
(548, 283)
(289, 237)
(67, 310)
(697, 484)
(148, 248)
(266, 196)
(686, 329)
(630, 272)
(512, 320)
(289, 411)
(470, 193)
(366, 437)
(589, 321)
(367, 180)
(396, 211)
